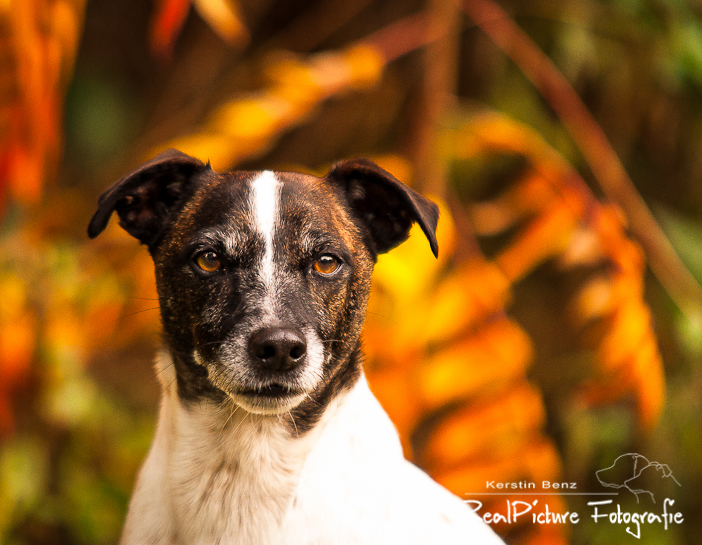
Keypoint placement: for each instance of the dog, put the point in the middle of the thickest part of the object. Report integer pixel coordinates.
(268, 432)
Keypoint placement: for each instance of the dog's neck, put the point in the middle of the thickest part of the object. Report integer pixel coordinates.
(238, 468)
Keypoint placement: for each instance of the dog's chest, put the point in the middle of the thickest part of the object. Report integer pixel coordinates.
(234, 485)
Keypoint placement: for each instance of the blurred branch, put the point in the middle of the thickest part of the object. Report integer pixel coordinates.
(402, 37)
(318, 23)
(596, 148)
(439, 75)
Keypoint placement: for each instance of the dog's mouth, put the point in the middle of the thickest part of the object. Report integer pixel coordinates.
(272, 391)
(272, 398)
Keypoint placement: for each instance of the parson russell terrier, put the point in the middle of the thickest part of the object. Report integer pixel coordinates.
(268, 433)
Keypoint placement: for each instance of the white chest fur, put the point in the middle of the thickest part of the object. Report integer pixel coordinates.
(217, 476)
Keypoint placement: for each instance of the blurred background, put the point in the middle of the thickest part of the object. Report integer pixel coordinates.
(558, 330)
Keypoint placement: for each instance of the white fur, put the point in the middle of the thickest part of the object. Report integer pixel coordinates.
(265, 195)
(224, 476)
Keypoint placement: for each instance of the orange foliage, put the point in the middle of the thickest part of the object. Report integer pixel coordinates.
(222, 15)
(248, 126)
(502, 419)
(224, 18)
(17, 340)
(41, 42)
(166, 25)
(497, 352)
(567, 222)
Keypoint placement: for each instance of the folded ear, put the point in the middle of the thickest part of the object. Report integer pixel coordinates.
(144, 198)
(384, 205)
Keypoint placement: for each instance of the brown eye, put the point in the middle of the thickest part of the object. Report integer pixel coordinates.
(208, 261)
(327, 264)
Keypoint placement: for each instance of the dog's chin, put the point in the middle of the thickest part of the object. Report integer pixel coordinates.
(268, 400)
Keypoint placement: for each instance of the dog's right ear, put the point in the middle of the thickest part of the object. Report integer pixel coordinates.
(144, 198)
(386, 207)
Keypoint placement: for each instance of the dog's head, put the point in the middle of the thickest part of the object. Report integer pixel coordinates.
(263, 277)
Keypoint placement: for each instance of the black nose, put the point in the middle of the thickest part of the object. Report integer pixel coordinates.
(278, 348)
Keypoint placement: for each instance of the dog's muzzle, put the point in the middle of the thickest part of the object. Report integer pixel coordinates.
(278, 370)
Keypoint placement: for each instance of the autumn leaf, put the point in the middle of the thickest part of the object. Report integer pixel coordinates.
(39, 41)
(225, 19)
(166, 24)
(223, 16)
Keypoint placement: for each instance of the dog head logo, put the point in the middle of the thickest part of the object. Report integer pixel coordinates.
(633, 472)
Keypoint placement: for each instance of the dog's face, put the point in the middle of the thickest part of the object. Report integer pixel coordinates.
(263, 281)
(263, 277)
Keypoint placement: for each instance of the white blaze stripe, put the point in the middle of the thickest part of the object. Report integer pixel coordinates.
(265, 211)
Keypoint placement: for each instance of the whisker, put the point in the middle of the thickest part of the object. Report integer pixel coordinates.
(247, 415)
(211, 343)
(168, 387)
(233, 409)
(139, 312)
(314, 401)
(158, 373)
(292, 419)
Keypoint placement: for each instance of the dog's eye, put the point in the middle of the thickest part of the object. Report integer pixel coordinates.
(327, 264)
(208, 261)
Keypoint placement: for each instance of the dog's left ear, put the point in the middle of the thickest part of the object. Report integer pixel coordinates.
(143, 199)
(385, 206)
